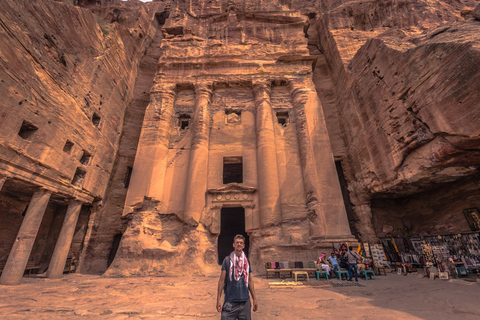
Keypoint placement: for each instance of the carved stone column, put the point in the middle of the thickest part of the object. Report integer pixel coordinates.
(364, 225)
(148, 175)
(322, 186)
(62, 247)
(22, 247)
(196, 187)
(268, 183)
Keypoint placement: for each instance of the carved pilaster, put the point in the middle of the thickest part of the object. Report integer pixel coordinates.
(22, 247)
(324, 195)
(62, 247)
(198, 163)
(148, 175)
(268, 183)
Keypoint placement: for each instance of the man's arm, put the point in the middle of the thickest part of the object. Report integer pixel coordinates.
(251, 287)
(221, 283)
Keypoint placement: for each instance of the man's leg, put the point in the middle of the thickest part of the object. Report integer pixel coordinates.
(246, 312)
(350, 266)
(356, 271)
(336, 268)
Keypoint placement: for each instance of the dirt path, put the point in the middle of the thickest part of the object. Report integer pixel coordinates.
(94, 297)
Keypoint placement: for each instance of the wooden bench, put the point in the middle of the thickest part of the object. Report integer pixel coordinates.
(278, 271)
(289, 271)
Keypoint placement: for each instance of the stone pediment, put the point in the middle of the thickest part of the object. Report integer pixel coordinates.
(232, 188)
(231, 193)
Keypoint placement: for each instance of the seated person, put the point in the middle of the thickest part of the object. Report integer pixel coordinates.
(324, 263)
(333, 261)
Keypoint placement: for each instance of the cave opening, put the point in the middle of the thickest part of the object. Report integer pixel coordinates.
(232, 222)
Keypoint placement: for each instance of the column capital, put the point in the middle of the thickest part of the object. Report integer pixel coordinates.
(74, 201)
(43, 190)
(301, 86)
(163, 89)
(261, 86)
(204, 88)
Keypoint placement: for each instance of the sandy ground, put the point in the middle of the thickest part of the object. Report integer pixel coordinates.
(94, 297)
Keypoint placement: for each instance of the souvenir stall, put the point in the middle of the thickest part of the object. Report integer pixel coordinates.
(457, 255)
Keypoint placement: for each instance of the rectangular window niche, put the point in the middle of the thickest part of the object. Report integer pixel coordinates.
(85, 159)
(68, 147)
(79, 177)
(232, 170)
(282, 118)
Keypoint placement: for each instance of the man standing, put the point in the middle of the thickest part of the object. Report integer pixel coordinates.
(236, 280)
(352, 263)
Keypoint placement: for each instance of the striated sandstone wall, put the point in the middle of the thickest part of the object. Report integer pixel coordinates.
(69, 75)
(406, 103)
(107, 219)
(59, 69)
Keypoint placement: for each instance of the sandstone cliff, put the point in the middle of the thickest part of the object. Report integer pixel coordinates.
(406, 85)
(67, 78)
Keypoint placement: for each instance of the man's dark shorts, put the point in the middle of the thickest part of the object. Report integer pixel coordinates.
(237, 310)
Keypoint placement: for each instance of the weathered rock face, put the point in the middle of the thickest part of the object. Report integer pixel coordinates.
(67, 77)
(219, 105)
(406, 105)
(72, 63)
(107, 219)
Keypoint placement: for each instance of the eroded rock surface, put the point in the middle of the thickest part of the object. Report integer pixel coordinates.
(90, 88)
(406, 81)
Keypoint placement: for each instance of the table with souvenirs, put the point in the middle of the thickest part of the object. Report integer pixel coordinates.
(455, 255)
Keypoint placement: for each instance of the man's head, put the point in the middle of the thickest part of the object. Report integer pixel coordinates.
(332, 254)
(238, 243)
(350, 248)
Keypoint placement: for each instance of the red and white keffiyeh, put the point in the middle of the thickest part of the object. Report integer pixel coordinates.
(239, 266)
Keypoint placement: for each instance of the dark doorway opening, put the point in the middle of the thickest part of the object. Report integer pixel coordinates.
(113, 251)
(232, 222)
(346, 196)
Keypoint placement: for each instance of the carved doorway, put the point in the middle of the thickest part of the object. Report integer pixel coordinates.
(232, 222)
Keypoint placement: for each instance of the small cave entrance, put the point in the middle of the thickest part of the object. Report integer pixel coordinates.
(232, 222)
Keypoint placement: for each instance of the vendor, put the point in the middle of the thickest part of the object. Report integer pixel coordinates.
(323, 263)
